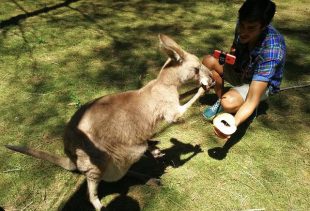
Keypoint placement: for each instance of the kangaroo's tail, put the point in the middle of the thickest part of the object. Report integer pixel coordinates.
(63, 162)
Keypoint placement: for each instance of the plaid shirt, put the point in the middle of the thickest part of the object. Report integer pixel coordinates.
(265, 62)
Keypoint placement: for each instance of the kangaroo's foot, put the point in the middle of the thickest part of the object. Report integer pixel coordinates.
(93, 193)
(144, 178)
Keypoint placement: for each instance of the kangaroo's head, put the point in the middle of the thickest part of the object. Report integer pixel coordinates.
(187, 65)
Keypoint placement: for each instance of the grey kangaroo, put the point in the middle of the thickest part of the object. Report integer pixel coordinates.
(109, 134)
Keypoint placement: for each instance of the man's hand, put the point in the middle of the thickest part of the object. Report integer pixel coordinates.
(256, 90)
(219, 134)
(224, 125)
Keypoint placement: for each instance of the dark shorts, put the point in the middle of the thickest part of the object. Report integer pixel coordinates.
(232, 76)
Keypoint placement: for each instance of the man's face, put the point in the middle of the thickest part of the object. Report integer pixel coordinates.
(249, 31)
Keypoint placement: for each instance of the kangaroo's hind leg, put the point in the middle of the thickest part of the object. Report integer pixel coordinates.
(92, 185)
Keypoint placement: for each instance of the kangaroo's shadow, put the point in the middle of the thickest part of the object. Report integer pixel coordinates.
(148, 165)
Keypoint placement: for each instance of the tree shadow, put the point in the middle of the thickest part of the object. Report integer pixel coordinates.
(16, 19)
(148, 165)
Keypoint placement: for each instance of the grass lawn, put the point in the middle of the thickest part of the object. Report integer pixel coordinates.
(56, 55)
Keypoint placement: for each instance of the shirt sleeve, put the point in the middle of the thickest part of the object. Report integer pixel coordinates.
(267, 63)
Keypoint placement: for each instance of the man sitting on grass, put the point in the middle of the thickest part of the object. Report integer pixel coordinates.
(260, 56)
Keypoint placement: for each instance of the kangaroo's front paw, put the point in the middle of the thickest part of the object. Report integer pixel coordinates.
(155, 151)
(179, 120)
(154, 182)
(201, 91)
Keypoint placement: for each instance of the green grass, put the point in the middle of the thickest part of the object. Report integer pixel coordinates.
(51, 62)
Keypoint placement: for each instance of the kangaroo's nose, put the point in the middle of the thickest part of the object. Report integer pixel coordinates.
(212, 83)
(207, 83)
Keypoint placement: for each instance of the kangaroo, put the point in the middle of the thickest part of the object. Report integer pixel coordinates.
(106, 136)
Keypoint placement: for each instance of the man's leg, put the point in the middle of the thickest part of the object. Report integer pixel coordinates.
(217, 71)
(232, 101)
(235, 97)
(230, 76)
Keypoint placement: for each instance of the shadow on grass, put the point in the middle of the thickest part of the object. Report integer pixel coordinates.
(15, 20)
(148, 165)
(219, 153)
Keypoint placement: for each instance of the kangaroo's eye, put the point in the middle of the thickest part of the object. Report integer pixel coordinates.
(196, 70)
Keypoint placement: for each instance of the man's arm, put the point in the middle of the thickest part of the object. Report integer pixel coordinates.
(256, 90)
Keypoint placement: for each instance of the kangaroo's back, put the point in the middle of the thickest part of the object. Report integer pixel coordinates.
(122, 117)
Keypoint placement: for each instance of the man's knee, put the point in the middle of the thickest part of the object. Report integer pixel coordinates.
(231, 102)
(212, 63)
(209, 61)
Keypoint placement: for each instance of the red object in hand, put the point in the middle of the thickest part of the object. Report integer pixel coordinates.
(224, 57)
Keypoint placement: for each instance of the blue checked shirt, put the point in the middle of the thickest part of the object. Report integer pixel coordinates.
(265, 62)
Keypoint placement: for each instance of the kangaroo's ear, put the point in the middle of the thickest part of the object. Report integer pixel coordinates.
(173, 50)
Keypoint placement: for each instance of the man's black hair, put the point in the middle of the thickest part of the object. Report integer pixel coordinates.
(257, 10)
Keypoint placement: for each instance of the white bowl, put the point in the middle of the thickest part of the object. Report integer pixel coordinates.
(225, 123)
